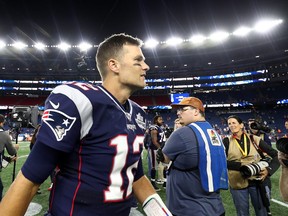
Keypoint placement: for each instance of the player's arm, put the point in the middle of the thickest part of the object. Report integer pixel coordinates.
(32, 174)
(154, 138)
(284, 183)
(18, 197)
(142, 188)
(148, 198)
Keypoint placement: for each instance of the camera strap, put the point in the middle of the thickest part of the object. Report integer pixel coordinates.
(243, 150)
(257, 147)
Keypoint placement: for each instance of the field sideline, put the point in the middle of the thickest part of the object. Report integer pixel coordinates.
(277, 206)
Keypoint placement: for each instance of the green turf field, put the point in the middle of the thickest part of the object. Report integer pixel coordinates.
(276, 207)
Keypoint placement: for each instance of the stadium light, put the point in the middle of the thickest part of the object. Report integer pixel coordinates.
(219, 36)
(64, 46)
(174, 41)
(197, 39)
(2, 44)
(151, 43)
(264, 26)
(242, 31)
(84, 46)
(39, 46)
(19, 45)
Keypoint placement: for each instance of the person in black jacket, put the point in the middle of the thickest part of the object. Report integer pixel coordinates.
(34, 136)
(258, 129)
(250, 162)
(6, 143)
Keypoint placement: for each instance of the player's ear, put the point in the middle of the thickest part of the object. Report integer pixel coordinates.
(114, 65)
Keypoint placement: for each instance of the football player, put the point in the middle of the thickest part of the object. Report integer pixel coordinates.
(94, 134)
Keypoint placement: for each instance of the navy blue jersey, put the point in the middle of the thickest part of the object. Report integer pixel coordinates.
(100, 144)
(160, 136)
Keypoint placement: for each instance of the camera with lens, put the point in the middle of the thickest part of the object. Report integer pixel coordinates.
(254, 169)
(257, 126)
(24, 116)
(282, 146)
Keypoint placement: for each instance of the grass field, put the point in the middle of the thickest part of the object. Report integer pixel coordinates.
(6, 175)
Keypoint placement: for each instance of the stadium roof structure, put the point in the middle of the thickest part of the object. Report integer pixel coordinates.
(30, 70)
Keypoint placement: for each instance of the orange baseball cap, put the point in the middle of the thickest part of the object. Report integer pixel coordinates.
(190, 101)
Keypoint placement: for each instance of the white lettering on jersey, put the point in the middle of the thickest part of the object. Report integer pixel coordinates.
(115, 191)
(131, 127)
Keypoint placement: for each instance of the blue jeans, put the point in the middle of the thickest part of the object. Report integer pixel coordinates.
(241, 201)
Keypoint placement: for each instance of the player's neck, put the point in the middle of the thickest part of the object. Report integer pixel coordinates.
(121, 94)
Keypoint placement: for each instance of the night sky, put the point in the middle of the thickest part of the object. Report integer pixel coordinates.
(52, 21)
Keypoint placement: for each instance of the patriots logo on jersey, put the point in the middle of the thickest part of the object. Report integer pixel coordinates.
(140, 121)
(59, 122)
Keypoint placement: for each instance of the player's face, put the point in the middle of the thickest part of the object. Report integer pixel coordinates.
(160, 121)
(133, 67)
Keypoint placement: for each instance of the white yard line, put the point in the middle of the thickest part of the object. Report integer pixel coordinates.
(22, 156)
(24, 146)
(280, 203)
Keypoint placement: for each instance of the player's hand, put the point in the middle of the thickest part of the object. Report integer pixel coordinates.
(160, 156)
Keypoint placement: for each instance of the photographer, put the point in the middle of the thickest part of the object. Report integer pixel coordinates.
(258, 129)
(6, 142)
(249, 161)
(282, 146)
